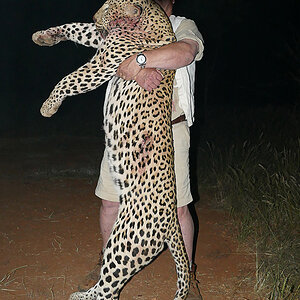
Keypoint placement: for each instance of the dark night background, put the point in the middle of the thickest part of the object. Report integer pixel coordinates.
(251, 59)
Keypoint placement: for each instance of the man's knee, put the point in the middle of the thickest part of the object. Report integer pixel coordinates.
(109, 207)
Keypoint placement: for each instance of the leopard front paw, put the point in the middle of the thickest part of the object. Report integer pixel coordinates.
(49, 108)
(49, 37)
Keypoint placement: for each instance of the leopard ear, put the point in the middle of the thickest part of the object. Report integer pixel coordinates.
(133, 10)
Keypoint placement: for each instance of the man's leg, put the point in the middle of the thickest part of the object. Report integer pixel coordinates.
(181, 137)
(108, 215)
(187, 229)
(107, 192)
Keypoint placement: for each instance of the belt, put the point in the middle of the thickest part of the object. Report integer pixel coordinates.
(178, 119)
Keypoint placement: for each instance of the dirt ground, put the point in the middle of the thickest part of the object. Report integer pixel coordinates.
(49, 232)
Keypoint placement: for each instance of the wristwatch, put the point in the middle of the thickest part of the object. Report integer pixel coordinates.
(141, 60)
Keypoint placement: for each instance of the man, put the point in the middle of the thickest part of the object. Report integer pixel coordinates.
(180, 56)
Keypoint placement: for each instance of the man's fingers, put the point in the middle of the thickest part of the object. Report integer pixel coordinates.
(155, 82)
(120, 74)
(153, 85)
(160, 75)
(148, 79)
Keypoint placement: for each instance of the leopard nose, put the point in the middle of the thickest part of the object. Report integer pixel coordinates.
(94, 19)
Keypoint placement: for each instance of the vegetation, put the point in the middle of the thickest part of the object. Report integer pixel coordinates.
(254, 169)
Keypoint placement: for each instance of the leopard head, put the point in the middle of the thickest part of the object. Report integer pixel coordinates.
(143, 15)
(115, 13)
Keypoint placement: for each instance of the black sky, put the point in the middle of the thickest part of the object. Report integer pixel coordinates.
(250, 59)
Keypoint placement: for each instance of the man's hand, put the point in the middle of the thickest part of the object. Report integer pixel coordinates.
(149, 79)
(129, 68)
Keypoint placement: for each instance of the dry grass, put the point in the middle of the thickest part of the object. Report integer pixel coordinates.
(9, 279)
(258, 180)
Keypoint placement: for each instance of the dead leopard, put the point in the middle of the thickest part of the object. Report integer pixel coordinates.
(138, 136)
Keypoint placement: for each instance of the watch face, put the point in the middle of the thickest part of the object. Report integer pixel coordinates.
(141, 59)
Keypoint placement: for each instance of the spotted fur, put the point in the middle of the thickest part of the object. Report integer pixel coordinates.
(138, 132)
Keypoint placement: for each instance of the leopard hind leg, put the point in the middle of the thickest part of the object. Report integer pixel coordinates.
(123, 257)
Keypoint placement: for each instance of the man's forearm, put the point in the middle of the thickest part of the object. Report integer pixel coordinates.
(172, 56)
(169, 57)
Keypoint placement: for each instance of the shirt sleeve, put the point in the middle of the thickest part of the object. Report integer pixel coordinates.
(188, 30)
